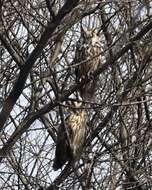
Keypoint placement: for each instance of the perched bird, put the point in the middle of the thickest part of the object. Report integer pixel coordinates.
(71, 149)
(87, 59)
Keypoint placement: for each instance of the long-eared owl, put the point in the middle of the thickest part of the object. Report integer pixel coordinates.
(87, 59)
(76, 128)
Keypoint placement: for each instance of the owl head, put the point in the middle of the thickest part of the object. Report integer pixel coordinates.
(75, 106)
(89, 36)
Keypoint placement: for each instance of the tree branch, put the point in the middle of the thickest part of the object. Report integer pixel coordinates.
(25, 69)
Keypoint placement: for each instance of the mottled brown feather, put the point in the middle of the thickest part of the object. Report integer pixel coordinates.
(88, 58)
(76, 127)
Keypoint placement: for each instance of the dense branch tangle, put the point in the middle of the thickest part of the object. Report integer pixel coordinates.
(37, 49)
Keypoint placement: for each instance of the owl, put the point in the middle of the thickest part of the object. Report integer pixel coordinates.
(70, 150)
(87, 59)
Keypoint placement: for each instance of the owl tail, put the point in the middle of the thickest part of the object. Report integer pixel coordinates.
(57, 164)
(63, 154)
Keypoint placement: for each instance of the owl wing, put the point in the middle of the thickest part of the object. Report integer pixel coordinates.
(80, 56)
(62, 153)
